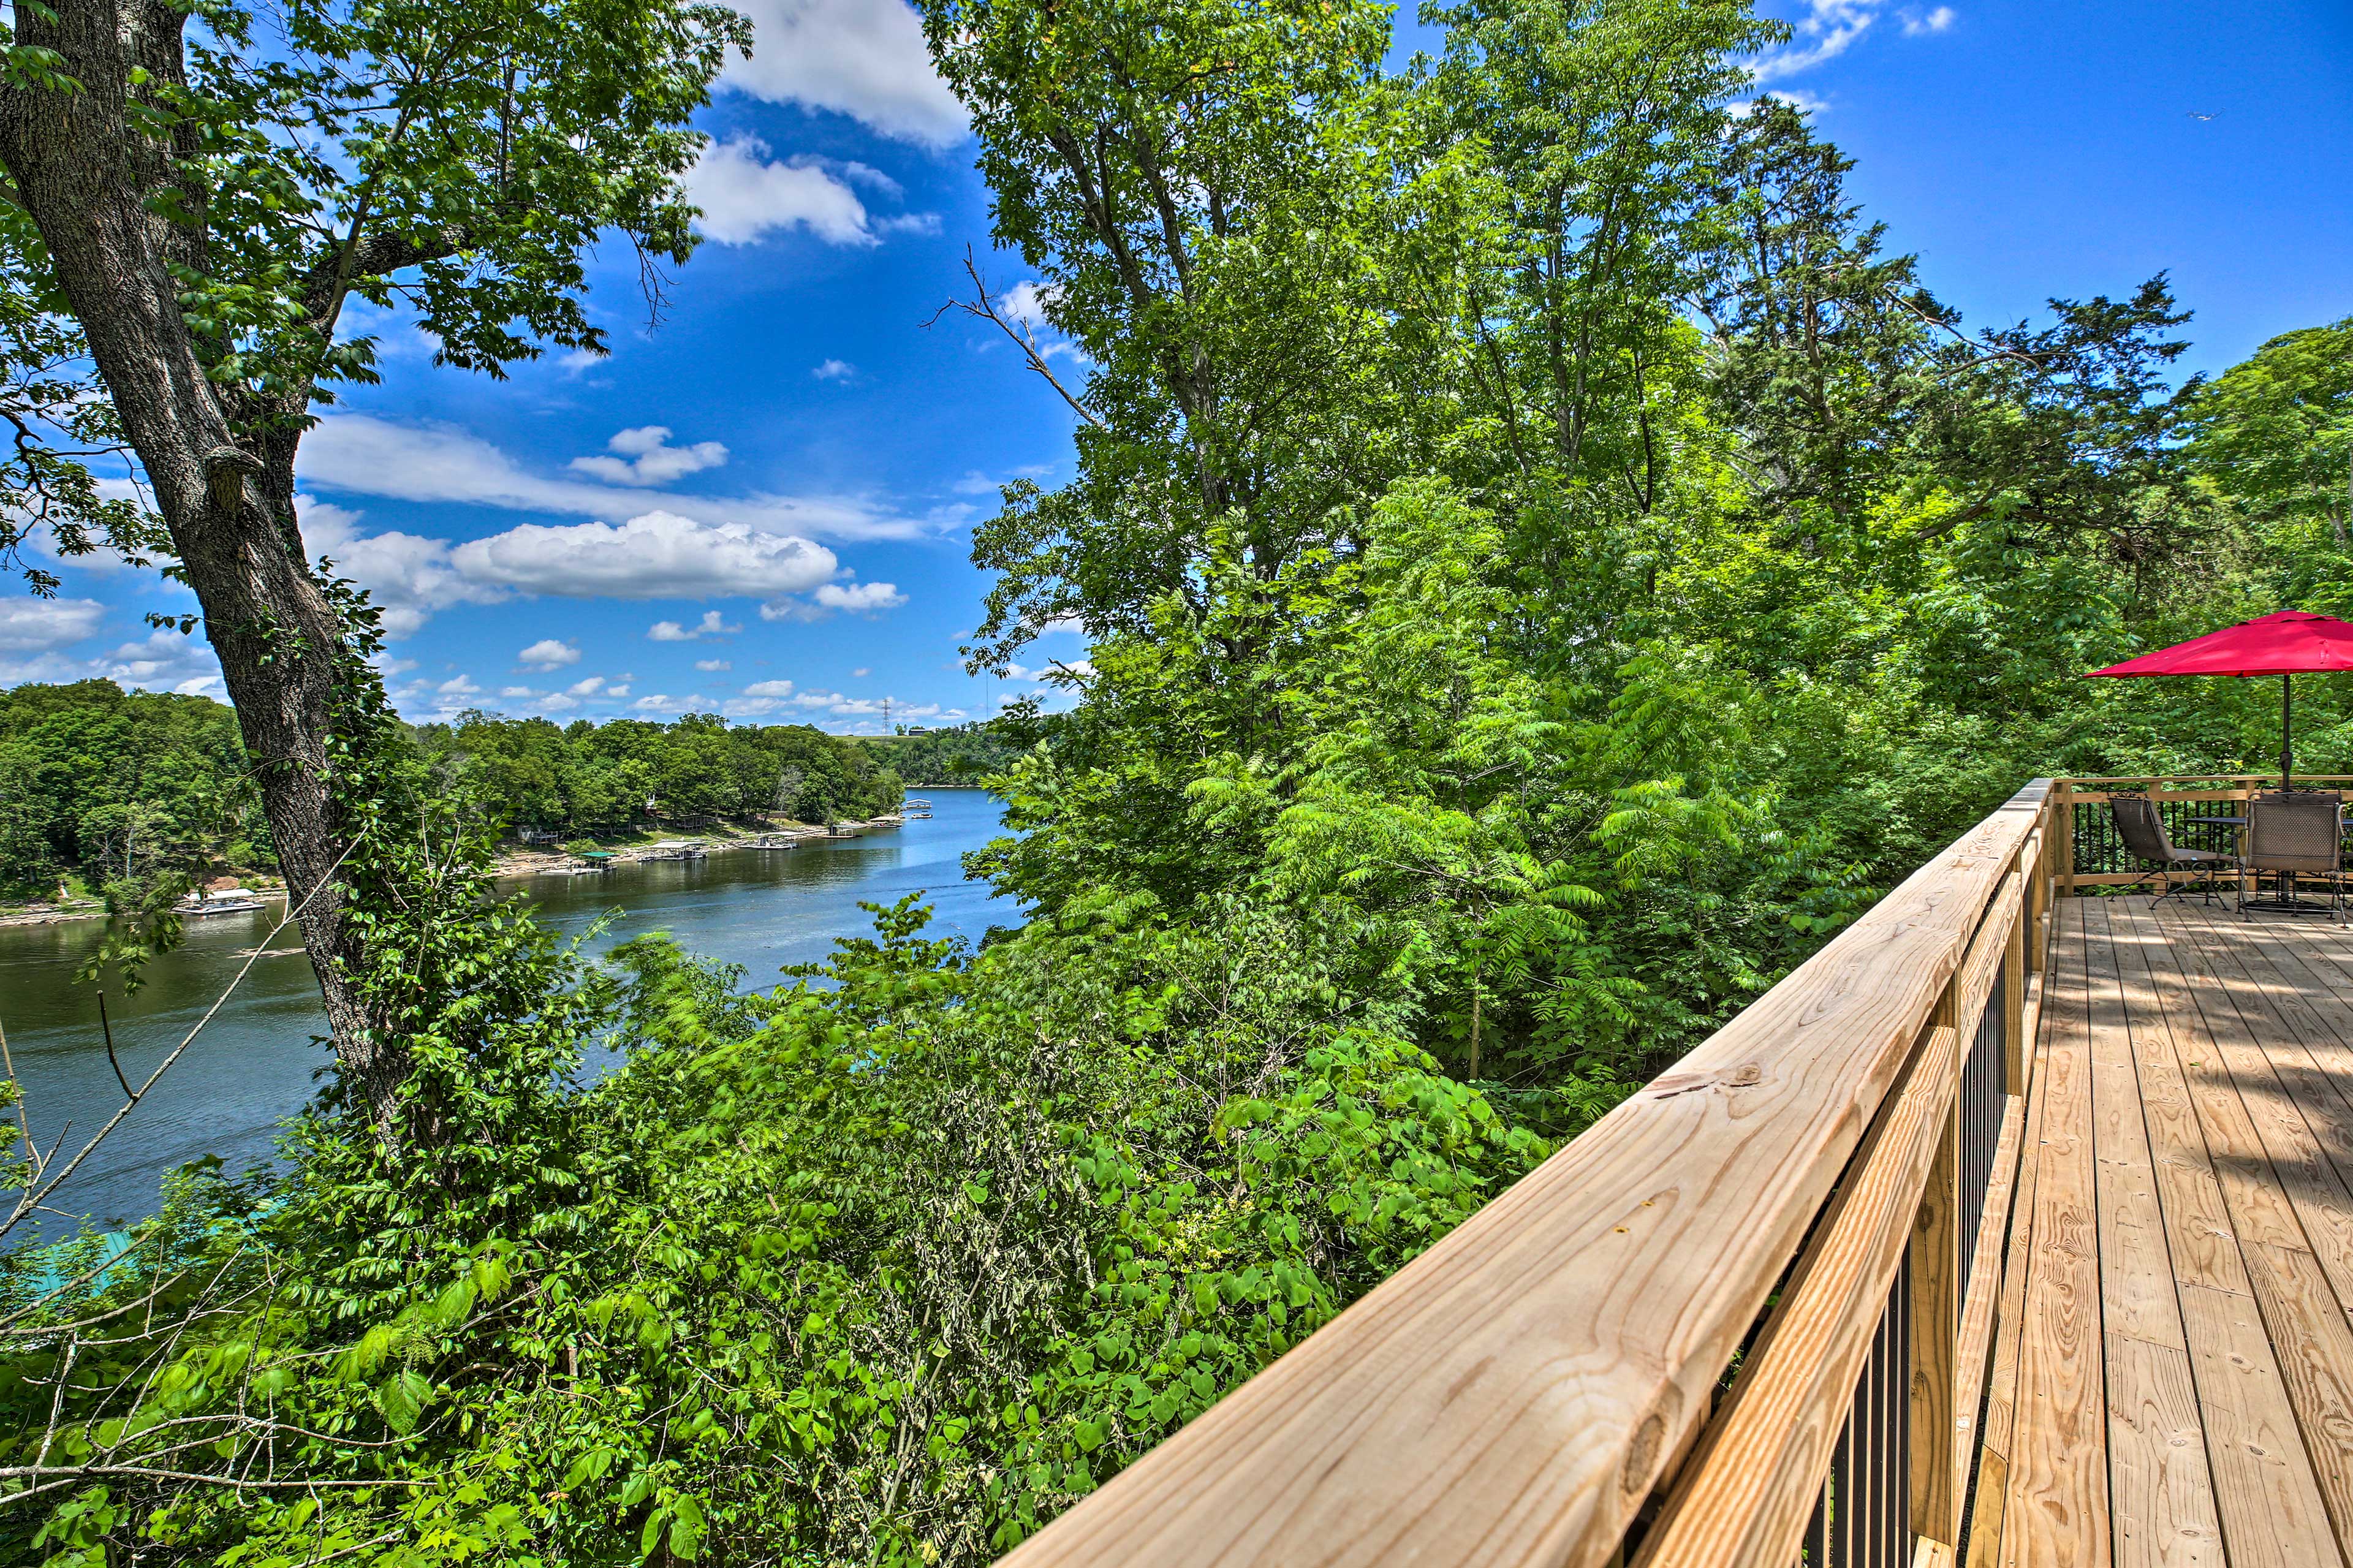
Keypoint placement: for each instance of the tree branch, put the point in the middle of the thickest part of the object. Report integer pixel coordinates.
(983, 306)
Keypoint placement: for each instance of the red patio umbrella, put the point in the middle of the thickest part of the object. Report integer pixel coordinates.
(2285, 642)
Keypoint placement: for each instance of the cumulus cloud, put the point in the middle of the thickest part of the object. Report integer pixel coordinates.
(655, 555)
(860, 597)
(1916, 23)
(1026, 302)
(713, 666)
(407, 575)
(854, 597)
(457, 686)
(37, 625)
(515, 691)
(367, 456)
(769, 688)
(835, 370)
(586, 687)
(710, 626)
(549, 654)
(865, 59)
(745, 196)
(647, 457)
(164, 659)
(659, 556)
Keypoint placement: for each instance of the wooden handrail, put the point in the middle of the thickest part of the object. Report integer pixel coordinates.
(1518, 1393)
(2080, 794)
(2185, 778)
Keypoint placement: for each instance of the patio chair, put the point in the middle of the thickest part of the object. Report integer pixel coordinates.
(2142, 828)
(2298, 833)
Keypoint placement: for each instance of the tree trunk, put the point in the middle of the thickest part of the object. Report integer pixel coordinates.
(85, 175)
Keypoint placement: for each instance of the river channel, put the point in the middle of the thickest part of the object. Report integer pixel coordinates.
(257, 1062)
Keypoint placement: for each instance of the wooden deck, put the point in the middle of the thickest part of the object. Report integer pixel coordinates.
(2173, 1362)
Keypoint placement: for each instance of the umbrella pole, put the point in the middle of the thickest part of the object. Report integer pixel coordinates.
(2287, 709)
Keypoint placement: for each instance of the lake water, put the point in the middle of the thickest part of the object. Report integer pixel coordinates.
(258, 1060)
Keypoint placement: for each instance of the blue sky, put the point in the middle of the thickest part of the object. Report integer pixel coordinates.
(762, 506)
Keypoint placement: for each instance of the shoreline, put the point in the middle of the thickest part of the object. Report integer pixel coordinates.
(508, 865)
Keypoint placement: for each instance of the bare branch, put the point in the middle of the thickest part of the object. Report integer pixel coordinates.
(983, 306)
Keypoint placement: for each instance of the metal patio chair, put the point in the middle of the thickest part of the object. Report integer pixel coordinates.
(2142, 828)
(2298, 833)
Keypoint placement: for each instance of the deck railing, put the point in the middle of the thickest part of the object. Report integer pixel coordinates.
(2092, 854)
(1746, 1314)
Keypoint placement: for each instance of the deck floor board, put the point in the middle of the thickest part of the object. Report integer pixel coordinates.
(2182, 1348)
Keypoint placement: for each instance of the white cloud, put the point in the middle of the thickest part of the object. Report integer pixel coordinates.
(860, 597)
(835, 370)
(163, 658)
(588, 687)
(1026, 302)
(406, 575)
(361, 452)
(1824, 33)
(30, 625)
(620, 691)
(655, 555)
(1916, 23)
(713, 666)
(515, 691)
(769, 688)
(458, 686)
(860, 674)
(710, 626)
(648, 457)
(660, 700)
(1804, 102)
(865, 59)
(556, 703)
(744, 198)
(549, 654)
(659, 556)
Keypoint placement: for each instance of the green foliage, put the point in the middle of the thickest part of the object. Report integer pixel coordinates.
(955, 755)
(122, 787)
(1546, 563)
(892, 1267)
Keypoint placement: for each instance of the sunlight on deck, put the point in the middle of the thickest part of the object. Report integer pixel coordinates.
(2173, 1376)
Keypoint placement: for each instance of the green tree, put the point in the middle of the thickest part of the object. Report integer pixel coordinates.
(2275, 434)
(199, 194)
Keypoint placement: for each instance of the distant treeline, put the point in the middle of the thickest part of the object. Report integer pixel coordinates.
(109, 785)
(961, 755)
(105, 785)
(583, 778)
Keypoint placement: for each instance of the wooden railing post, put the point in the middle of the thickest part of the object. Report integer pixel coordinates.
(2013, 992)
(2066, 845)
(1935, 1276)
(2037, 894)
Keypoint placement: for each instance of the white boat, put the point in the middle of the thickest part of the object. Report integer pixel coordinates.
(218, 901)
